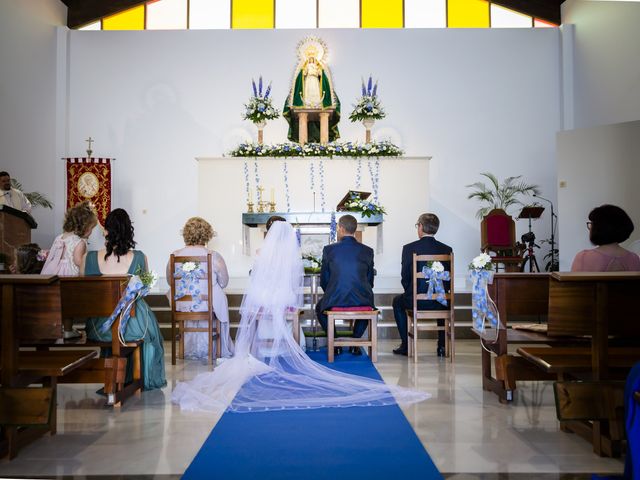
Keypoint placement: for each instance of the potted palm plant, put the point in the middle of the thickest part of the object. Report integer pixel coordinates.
(35, 198)
(500, 195)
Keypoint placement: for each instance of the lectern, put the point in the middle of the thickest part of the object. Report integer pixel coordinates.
(15, 230)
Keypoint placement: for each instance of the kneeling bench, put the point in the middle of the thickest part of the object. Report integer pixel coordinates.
(350, 314)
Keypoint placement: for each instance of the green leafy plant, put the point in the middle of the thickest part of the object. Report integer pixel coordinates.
(500, 195)
(36, 199)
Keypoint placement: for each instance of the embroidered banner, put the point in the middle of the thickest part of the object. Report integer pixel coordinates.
(90, 179)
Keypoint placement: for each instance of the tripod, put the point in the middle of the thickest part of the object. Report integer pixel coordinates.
(529, 239)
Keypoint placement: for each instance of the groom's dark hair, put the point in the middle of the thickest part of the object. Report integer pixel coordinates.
(349, 223)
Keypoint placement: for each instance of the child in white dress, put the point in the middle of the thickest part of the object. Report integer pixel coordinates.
(69, 248)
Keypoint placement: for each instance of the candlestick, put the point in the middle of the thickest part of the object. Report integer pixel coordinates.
(272, 196)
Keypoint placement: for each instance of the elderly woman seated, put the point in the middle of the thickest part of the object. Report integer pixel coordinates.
(197, 233)
(608, 226)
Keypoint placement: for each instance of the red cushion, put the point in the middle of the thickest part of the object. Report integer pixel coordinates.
(351, 309)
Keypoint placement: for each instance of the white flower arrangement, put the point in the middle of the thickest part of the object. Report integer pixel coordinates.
(311, 263)
(481, 262)
(368, 105)
(335, 149)
(436, 267)
(188, 267)
(260, 107)
(366, 208)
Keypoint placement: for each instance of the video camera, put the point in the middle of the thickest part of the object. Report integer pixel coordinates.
(529, 238)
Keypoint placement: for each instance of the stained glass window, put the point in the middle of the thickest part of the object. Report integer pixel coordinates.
(209, 14)
(132, 19)
(252, 14)
(505, 18)
(167, 15)
(468, 14)
(425, 13)
(338, 13)
(296, 14)
(382, 13)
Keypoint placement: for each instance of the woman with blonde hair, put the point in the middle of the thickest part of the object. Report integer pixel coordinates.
(197, 233)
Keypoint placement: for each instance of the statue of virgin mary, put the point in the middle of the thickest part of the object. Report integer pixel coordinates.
(312, 88)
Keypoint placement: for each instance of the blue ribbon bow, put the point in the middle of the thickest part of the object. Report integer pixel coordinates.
(434, 280)
(135, 289)
(483, 307)
(189, 284)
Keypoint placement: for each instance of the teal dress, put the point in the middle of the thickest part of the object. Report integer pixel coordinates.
(143, 325)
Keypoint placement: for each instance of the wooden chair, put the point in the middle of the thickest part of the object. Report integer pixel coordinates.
(415, 316)
(178, 319)
(371, 342)
(498, 235)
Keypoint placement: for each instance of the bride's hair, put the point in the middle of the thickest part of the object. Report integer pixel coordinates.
(119, 237)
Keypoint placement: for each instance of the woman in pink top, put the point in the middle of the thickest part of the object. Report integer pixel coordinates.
(608, 226)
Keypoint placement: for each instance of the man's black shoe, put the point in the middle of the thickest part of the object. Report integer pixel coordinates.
(337, 350)
(355, 351)
(401, 350)
(440, 351)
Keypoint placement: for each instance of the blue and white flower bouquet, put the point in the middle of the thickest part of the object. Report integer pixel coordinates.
(368, 106)
(260, 107)
(364, 207)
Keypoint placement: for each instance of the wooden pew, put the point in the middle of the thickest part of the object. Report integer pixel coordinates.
(513, 294)
(30, 306)
(599, 306)
(97, 296)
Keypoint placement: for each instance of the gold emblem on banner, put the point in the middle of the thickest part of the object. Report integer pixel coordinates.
(88, 185)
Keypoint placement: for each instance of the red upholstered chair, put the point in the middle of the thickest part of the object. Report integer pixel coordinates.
(498, 236)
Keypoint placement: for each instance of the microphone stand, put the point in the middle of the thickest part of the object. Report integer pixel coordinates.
(552, 240)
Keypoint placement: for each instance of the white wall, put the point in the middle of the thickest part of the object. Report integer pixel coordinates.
(30, 79)
(475, 100)
(599, 165)
(606, 66)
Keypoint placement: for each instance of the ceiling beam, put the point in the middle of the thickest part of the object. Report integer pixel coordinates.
(548, 10)
(82, 12)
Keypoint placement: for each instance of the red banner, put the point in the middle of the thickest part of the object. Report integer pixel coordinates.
(90, 179)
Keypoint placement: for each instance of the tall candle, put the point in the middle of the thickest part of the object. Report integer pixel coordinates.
(272, 196)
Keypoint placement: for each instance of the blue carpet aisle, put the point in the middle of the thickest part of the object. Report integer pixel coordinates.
(323, 443)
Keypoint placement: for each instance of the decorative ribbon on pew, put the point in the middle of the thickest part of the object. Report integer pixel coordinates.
(435, 274)
(483, 308)
(135, 289)
(189, 275)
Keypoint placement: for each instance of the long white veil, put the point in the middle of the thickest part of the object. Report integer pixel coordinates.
(269, 370)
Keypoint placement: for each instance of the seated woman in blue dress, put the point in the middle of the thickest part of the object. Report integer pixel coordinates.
(119, 258)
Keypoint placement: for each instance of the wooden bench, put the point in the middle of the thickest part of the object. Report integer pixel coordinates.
(97, 296)
(31, 312)
(599, 306)
(514, 294)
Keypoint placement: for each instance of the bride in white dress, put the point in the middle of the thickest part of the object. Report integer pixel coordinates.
(277, 374)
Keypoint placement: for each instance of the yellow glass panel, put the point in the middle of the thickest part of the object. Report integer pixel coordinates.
(251, 13)
(468, 14)
(381, 14)
(132, 19)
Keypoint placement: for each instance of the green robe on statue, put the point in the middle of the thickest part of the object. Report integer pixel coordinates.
(313, 127)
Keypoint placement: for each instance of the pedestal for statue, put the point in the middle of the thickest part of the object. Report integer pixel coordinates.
(15, 230)
(305, 115)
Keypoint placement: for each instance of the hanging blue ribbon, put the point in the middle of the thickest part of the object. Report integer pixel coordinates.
(483, 307)
(189, 284)
(435, 285)
(135, 289)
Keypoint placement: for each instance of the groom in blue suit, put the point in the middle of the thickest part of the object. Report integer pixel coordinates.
(346, 276)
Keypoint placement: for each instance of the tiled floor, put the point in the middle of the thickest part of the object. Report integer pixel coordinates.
(467, 432)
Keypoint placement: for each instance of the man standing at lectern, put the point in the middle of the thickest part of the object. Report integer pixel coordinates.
(12, 197)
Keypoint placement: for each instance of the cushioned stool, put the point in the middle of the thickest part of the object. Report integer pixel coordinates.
(352, 314)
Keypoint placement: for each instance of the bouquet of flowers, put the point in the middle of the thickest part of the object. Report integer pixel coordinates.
(260, 107)
(311, 264)
(148, 278)
(435, 274)
(368, 105)
(364, 207)
(481, 262)
(334, 149)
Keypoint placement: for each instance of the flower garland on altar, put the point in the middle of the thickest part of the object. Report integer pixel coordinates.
(375, 179)
(257, 175)
(334, 149)
(322, 196)
(359, 174)
(246, 180)
(285, 170)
